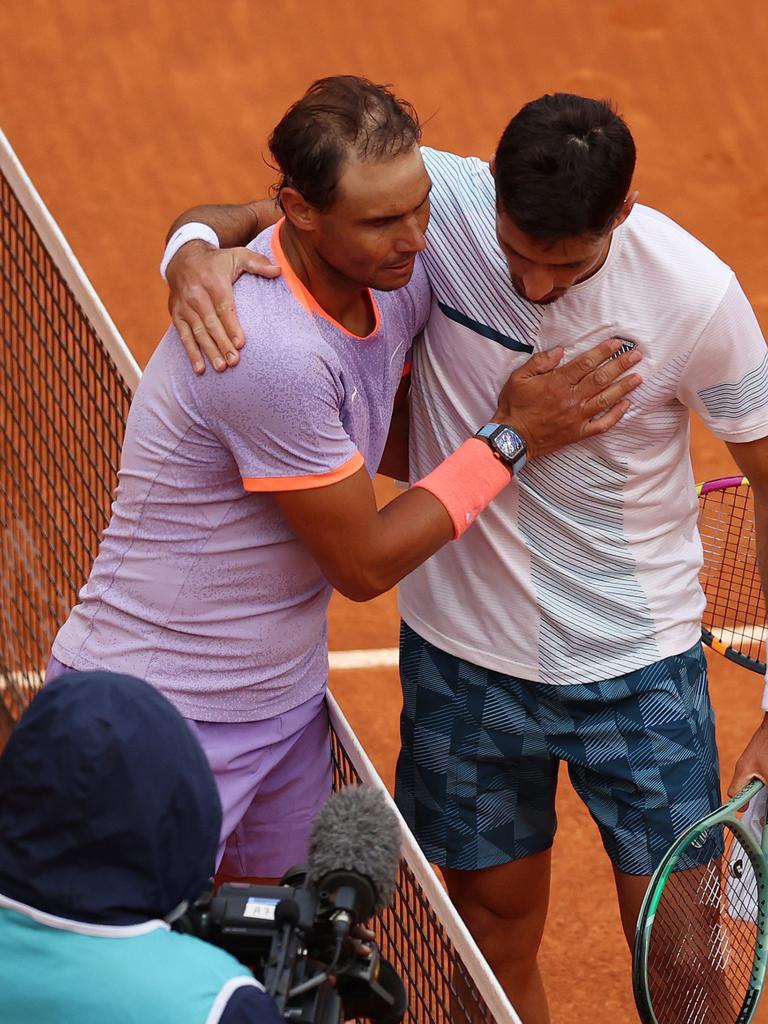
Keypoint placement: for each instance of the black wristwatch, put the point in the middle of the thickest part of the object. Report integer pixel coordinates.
(506, 444)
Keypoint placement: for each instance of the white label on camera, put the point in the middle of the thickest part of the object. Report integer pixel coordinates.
(263, 909)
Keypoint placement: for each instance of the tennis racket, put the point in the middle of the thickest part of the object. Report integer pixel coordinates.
(700, 947)
(734, 622)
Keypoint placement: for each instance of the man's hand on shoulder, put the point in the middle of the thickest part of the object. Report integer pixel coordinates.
(201, 301)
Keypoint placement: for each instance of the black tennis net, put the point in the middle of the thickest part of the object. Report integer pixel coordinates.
(61, 422)
(67, 379)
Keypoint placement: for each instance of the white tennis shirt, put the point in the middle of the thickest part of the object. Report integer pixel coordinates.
(587, 566)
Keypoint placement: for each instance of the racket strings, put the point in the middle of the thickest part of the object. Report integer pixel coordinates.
(735, 613)
(704, 936)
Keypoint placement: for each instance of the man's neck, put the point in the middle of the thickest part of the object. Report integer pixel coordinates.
(343, 300)
(600, 261)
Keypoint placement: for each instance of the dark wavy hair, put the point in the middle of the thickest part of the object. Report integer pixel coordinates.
(564, 166)
(335, 117)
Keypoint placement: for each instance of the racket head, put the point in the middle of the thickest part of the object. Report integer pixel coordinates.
(701, 942)
(734, 621)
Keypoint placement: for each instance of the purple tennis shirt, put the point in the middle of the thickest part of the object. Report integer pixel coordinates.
(200, 586)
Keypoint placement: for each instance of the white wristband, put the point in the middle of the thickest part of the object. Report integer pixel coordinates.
(187, 233)
(764, 704)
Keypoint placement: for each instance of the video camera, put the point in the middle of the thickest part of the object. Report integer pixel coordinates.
(285, 934)
(295, 936)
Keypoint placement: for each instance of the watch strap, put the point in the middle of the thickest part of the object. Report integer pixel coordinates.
(488, 433)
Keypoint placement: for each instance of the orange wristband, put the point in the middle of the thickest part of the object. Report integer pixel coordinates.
(466, 482)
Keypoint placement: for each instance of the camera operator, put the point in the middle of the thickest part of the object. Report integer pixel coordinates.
(109, 825)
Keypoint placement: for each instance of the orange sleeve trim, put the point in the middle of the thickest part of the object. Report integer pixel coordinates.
(304, 483)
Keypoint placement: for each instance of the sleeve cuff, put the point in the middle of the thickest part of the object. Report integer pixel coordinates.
(187, 233)
(305, 483)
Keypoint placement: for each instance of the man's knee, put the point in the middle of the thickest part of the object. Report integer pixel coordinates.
(505, 906)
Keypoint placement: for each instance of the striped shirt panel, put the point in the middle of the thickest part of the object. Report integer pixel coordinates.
(587, 567)
(466, 268)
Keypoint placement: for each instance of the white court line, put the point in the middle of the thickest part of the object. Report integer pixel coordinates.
(376, 657)
(738, 634)
(387, 657)
(20, 680)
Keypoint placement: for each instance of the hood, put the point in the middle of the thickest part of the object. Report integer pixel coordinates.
(108, 809)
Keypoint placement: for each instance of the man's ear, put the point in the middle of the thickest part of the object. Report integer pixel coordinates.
(301, 214)
(492, 165)
(626, 209)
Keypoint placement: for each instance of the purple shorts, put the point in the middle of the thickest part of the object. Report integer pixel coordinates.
(273, 777)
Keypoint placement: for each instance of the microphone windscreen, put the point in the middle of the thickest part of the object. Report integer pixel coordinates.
(357, 830)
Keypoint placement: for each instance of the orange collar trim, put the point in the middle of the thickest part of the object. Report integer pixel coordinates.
(305, 298)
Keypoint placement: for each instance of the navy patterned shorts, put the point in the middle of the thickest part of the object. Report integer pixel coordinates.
(477, 772)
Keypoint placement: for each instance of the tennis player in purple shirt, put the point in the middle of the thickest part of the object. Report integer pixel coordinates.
(244, 498)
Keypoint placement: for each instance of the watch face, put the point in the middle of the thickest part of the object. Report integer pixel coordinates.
(509, 444)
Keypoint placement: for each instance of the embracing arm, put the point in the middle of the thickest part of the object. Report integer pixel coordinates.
(235, 224)
(200, 277)
(364, 551)
(752, 459)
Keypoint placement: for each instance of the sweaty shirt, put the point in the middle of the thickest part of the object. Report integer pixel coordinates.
(586, 566)
(200, 585)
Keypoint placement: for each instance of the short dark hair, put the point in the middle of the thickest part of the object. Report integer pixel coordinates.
(336, 116)
(564, 166)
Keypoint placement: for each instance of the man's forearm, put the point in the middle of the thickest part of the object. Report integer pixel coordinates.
(752, 459)
(753, 763)
(234, 224)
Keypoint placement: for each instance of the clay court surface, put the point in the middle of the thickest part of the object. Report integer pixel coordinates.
(124, 113)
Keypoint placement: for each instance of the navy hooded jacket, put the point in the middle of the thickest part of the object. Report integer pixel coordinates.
(109, 819)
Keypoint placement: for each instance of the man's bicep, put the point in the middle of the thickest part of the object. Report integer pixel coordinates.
(752, 459)
(333, 522)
